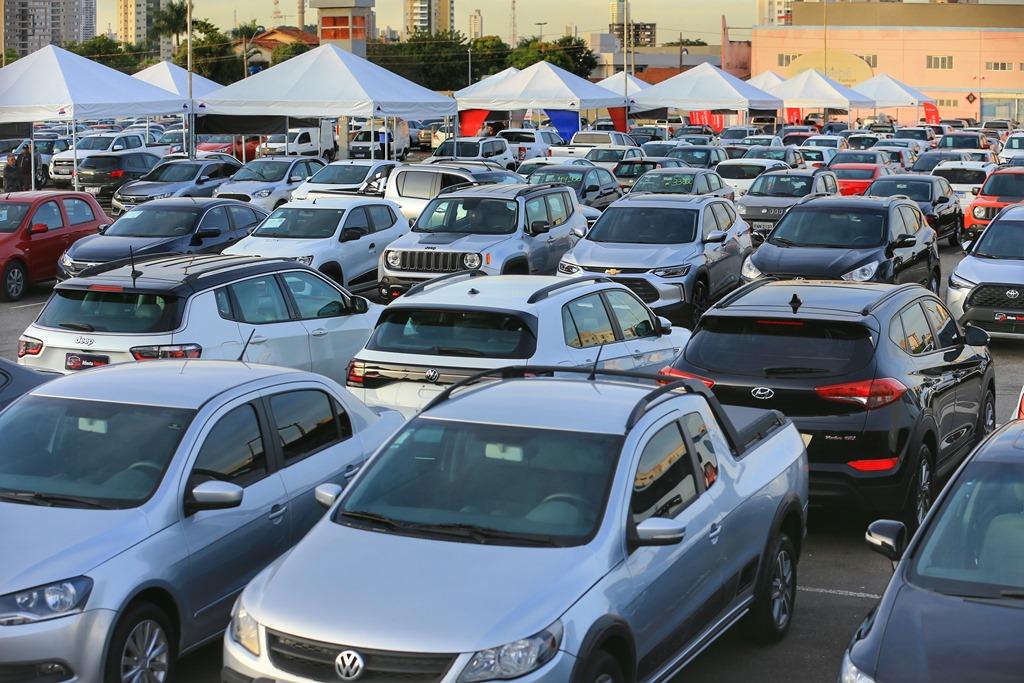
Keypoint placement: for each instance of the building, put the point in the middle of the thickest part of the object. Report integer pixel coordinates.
(347, 24)
(262, 45)
(617, 12)
(29, 25)
(641, 34)
(476, 25)
(428, 15)
(969, 57)
(135, 23)
(774, 12)
(668, 61)
(85, 19)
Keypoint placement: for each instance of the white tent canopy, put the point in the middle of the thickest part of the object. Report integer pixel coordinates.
(705, 87)
(327, 82)
(887, 92)
(620, 82)
(812, 88)
(765, 80)
(493, 78)
(542, 86)
(170, 76)
(53, 83)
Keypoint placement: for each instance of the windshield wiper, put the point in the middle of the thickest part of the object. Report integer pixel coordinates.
(81, 327)
(371, 517)
(49, 499)
(783, 241)
(455, 351)
(1015, 594)
(792, 370)
(482, 534)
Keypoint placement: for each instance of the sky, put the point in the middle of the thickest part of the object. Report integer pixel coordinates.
(693, 18)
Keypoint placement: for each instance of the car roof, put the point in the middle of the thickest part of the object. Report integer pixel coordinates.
(1006, 444)
(1012, 169)
(912, 177)
(746, 161)
(332, 202)
(852, 202)
(817, 297)
(40, 195)
(198, 202)
(667, 200)
(1013, 212)
(809, 172)
(507, 292)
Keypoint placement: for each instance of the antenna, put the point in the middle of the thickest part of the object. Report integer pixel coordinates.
(245, 347)
(795, 303)
(593, 368)
(131, 259)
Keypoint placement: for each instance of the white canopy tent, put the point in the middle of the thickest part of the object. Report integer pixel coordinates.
(812, 88)
(621, 82)
(705, 87)
(541, 86)
(170, 76)
(765, 80)
(493, 78)
(887, 92)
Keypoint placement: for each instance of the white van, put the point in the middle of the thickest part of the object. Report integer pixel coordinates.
(367, 143)
(308, 142)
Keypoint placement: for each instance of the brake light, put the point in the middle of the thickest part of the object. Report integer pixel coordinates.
(117, 174)
(787, 323)
(549, 152)
(879, 465)
(171, 351)
(1020, 407)
(671, 374)
(356, 373)
(105, 288)
(29, 346)
(869, 394)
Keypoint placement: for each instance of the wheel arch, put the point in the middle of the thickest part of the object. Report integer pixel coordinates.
(332, 269)
(154, 594)
(613, 635)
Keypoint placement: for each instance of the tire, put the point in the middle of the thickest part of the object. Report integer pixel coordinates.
(698, 302)
(987, 417)
(934, 283)
(775, 599)
(144, 627)
(603, 668)
(958, 234)
(334, 272)
(922, 490)
(14, 283)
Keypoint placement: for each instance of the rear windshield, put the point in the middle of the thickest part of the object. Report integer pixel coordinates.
(100, 163)
(694, 157)
(919, 191)
(660, 149)
(665, 183)
(453, 332)
(961, 176)
(591, 139)
(821, 142)
(854, 173)
(912, 134)
(734, 133)
(766, 153)
(450, 148)
(739, 171)
(82, 310)
(605, 155)
(926, 162)
(784, 347)
(645, 225)
(634, 169)
(962, 141)
(855, 158)
(1004, 185)
(862, 141)
(812, 154)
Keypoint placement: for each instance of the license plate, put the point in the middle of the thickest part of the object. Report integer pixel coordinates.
(763, 225)
(1008, 317)
(84, 361)
(92, 190)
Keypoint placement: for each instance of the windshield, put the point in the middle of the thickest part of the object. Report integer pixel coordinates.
(1003, 239)
(342, 174)
(821, 142)
(665, 183)
(469, 215)
(779, 186)
(83, 310)
(758, 140)
(694, 139)
(305, 224)
(1015, 143)
(11, 215)
(694, 157)
(452, 333)
(854, 173)
(634, 169)
(861, 141)
(855, 158)
(173, 173)
(279, 138)
(962, 141)
(810, 154)
(486, 483)
(733, 134)
(1004, 185)
(154, 220)
(739, 171)
(644, 225)
(100, 163)
(970, 548)
(602, 154)
(451, 148)
(658, 149)
(919, 190)
(961, 176)
(834, 229)
(172, 138)
(10, 145)
(97, 142)
(73, 453)
(267, 171)
(570, 178)
(927, 162)
(912, 134)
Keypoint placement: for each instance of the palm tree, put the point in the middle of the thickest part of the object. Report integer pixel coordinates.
(247, 30)
(171, 21)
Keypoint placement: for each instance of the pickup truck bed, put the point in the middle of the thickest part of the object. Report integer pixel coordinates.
(752, 425)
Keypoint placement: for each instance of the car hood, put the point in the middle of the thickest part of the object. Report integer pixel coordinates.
(934, 638)
(47, 544)
(997, 200)
(811, 262)
(247, 186)
(448, 241)
(103, 248)
(273, 246)
(980, 270)
(82, 153)
(146, 188)
(588, 253)
(749, 203)
(359, 588)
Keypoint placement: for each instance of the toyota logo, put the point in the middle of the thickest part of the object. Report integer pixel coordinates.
(349, 665)
(432, 375)
(762, 393)
(1012, 294)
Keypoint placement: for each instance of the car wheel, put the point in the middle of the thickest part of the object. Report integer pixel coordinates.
(958, 233)
(603, 668)
(15, 282)
(775, 600)
(922, 490)
(987, 416)
(933, 283)
(142, 647)
(698, 303)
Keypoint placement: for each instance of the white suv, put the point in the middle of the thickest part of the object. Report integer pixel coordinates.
(63, 163)
(490, 149)
(342, 237)
(452, 327)
(268, 182)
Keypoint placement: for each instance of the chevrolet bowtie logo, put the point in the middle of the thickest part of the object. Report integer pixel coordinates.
(612, 271)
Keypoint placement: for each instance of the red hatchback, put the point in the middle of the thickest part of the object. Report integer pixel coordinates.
(35, 229)
(855, 178)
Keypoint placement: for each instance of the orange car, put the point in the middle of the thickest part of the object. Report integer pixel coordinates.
(855, 178)
(231, 144)
(1002, 188)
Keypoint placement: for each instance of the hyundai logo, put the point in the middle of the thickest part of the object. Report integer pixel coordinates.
(762, 393)
(433, 375)
(349, 665)
(1012, 294)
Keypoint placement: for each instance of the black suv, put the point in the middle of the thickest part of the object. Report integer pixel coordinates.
(934, 196)
(888, 390)
(103, 174)
(860, 239)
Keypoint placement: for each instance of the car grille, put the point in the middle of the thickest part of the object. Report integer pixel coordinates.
(79, 266)
(430, 261)
(239, 197)
(642, 288)
(995, 296)
(315, 660)
(605, 269)
(63, 166)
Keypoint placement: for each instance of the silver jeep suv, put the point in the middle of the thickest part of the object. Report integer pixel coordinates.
(498, 229)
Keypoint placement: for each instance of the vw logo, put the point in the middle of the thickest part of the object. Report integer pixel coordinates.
(349, 665)
(762, 393)
(433, 375)
(1012, 294)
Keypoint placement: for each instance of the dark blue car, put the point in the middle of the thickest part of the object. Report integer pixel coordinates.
(182, 225)
(16, 380)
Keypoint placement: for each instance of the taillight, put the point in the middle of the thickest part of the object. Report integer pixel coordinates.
(356, 373)
(171, 351)
(869, 394)
(671, 374)
(117, 174)
(879, 465)
(932, 220)
(29, 346)
(1020, 405)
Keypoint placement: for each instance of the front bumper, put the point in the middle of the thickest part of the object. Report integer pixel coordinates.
(658, 293)
(392, 284)
(76, 642)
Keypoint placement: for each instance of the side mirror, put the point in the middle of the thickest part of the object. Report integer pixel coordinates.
(664, 325)
(757, 238)
(213, 495)
(942, 199)
(975, 336)
(887, 537)
(327, 494)
(37, 228)
(207, 233)
(579, 232)
(904, 241)
(975, 190)
(539, 227)
(350, 235)
(592, 188)
(360, 305)
(295, 179)
(102, 228)
(715, 237)
(659, 531)
(203, 179)
(966, 245)
(117, 148)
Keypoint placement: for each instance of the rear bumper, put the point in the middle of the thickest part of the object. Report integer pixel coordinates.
(839, 486)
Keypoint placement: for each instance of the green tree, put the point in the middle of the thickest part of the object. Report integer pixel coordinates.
(247, 30)
(120, 56)
(10, 55)
(490, 55)
(583, 60)
(438, 61)
(171, 22)
(213, 55)
(685, 42)
(286, 51)
(533, 50)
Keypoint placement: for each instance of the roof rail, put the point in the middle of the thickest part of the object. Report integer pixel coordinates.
(742, 291)
(885, 297)
(545, 292)
(462, 186)
(416, 289)
(537, 187)
(101, 268)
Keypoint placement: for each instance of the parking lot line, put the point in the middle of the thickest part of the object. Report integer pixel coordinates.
(836, 591)
(38, 303)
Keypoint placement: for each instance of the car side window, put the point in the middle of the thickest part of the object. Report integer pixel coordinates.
(633, 317)
(664, 483)
(606, 177)
(382, 217)
(557, 208)
(49, 215)
(911, 220)
(536, 210)
(215, 218)
(304, 138)
(714, 181)
(917, 335)
(591, 179)
(78, 211)
(357, 220)
(313, 297)
(722, 214)
(449, 179)
(416, 184)
(243, 217)
(233, 450)
(709, 224)
(259, 301)
(946, 331)
(306, 423)
(589, 319)
(702, 186)
(899, 227)
(223, 299)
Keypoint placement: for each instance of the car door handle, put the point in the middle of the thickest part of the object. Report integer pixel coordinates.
(714, 533)
(318, 332)
(372, 246)
(277, 513)
(257, 339)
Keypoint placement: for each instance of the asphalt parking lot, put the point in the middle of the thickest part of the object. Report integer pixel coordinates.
(839, 578)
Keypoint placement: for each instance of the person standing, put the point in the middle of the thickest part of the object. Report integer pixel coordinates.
(12, 181)
(25, 167)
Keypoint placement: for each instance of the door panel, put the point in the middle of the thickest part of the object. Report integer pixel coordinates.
(648, 350)
(264, 320)
(590, 335)
(46, 247)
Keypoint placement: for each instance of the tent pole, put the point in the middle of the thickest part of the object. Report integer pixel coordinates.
(373, 140)
(286, 126)
(74, 155)
(32, 156)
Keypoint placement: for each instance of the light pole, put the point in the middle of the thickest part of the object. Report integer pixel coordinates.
(540, 29)
(191, 104)
(469, 67)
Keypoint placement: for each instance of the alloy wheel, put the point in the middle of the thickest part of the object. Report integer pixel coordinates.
(782, 589)
(604, 678)
(924, 489)
(933, 284)
(15, 283)
(989, 425)
(146, 655)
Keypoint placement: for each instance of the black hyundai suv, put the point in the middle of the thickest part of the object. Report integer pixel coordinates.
(934, 196)
(888, 391)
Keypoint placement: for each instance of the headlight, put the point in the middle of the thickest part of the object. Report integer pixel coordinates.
(245, 630)
(749, 270)
(305, 260)
(262, 194)
(471, 261)
(65, 260)
(393, 258)
(864, 273)
(979, 211)
(672, 271)
(45, 602)
(848, 673)
(514, 659)
(568, 268)
(959, 283)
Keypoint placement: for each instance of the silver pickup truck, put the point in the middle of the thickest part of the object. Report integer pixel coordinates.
(543, 524)
(586, 140)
